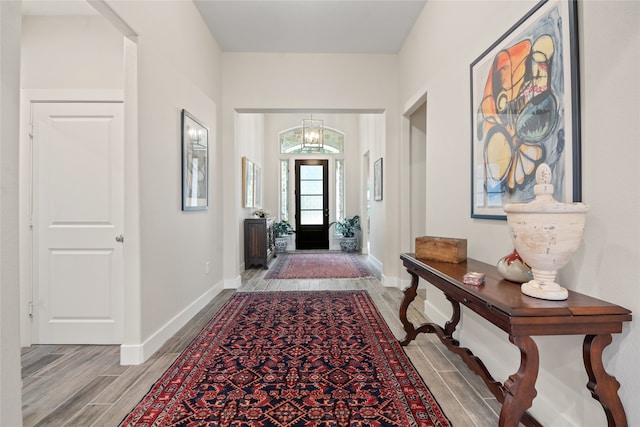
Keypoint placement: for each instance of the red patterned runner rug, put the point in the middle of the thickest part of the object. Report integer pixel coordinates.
(328, 265)
(292, 359)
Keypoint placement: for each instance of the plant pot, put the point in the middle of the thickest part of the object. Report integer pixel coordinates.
(512, 268)
(281, 244)
(349, 244)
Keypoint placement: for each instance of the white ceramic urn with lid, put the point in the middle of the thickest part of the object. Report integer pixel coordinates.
(546, 233)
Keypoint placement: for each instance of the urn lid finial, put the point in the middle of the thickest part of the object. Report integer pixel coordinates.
(543, 188)
(543, 174)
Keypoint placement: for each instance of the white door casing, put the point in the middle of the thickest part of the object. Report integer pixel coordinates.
(78, 211)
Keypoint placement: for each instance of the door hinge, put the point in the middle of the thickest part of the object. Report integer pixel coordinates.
(31, 130)
(30, 308)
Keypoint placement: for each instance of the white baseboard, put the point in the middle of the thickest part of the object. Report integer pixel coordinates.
(434, 314)
(131, 354)
(232, 283)
(376, 263)
(389, 281)
(135, 354)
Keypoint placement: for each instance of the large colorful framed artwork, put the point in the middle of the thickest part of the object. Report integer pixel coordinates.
(525, 111)
(195, 164)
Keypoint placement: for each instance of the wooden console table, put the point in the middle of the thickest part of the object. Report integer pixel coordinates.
(501, 303)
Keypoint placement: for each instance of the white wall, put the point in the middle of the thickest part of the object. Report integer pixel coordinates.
(71, 52)
(269, 82)
(10, 378)
(436, 59)
(179, 67)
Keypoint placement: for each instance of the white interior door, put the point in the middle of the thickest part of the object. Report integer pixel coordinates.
(78, 210)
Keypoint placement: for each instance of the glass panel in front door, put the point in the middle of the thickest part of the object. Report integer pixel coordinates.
(311, 195)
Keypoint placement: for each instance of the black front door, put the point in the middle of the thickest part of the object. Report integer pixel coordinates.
(312, 204)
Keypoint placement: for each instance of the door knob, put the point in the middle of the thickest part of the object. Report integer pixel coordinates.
(120, 238)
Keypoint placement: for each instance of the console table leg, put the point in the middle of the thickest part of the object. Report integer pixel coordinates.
(452, 324)
(409, 295)
(603, 387)
(520, 387)
(412, 332)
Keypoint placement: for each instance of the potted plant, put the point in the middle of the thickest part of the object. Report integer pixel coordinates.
(262, 213)
(282, 231)
(348, 228)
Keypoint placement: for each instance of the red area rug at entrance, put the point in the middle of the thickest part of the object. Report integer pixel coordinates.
(294, 359)
(323, 265)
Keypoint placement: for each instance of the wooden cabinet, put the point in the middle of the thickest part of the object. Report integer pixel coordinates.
(259, 242)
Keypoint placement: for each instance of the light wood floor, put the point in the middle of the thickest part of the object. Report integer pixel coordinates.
(72, 385)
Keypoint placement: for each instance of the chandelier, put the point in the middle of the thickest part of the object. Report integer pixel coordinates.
(312, 134)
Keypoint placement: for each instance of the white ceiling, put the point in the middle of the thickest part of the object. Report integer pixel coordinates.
(301, 26)
(57, 7)
(310, 26)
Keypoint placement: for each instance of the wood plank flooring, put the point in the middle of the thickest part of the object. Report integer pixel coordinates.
(73, 385)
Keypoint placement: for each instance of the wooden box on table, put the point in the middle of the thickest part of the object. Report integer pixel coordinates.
(445, 249)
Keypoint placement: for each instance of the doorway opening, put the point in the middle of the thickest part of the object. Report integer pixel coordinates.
(418, 172)
(312, 204)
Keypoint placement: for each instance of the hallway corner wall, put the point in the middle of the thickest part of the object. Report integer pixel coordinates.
(10, 363)
(182, 252)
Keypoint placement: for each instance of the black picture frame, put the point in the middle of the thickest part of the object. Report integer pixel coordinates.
(195, 163)
(525, 110)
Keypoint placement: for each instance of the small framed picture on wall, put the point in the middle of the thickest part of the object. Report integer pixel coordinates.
(195, 164)
(377, 180)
